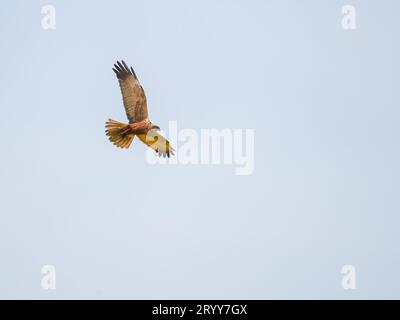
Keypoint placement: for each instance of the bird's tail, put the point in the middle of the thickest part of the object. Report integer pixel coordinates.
(119, 133)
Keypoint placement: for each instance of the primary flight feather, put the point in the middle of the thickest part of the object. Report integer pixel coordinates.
(134, 98)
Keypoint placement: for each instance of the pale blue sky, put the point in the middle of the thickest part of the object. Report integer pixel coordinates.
(324, 104)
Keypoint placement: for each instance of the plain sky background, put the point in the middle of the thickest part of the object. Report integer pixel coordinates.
(324, 104)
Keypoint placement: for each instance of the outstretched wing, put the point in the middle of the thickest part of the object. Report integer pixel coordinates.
(155, 140)
(132, 93)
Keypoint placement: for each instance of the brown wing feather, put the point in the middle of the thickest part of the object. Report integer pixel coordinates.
(157, 142)
(132, 93)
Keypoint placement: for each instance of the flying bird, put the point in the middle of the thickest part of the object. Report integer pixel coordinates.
(134, 99)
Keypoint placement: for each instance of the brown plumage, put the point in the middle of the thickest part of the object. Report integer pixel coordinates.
(135, 103)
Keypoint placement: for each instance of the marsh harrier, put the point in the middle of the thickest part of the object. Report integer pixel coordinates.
(134, 98)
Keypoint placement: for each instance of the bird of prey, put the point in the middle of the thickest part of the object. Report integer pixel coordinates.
(134, 98)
